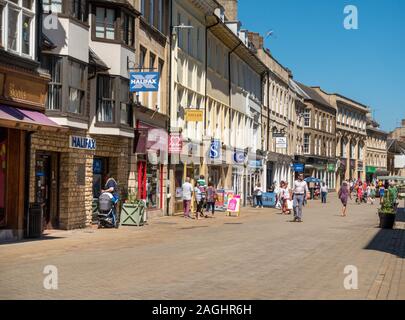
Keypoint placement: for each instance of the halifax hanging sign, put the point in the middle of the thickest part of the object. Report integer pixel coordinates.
(143, 81)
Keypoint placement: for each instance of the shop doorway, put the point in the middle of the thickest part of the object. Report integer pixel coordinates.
(100, 170)
(47, 187)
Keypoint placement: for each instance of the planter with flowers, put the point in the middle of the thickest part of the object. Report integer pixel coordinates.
(387, 212)
(132, 211)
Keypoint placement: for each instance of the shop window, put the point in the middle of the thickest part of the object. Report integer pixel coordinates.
(3, 174)
(105, 23)
(152, 185)
(105, 99)
(54, 66)
(77, 85)
(55, 6)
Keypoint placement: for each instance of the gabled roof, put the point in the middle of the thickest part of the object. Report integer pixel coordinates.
(311, 94)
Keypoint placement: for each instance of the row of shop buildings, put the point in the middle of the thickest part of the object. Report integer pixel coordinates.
(71, 110)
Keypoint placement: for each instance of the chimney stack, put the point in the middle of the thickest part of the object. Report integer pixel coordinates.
(231, 9)
(256, 39)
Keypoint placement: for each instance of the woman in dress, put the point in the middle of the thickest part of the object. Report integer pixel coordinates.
(344, 195)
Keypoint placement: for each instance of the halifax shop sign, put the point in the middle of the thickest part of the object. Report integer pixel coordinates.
(82, 143)
(143, 81)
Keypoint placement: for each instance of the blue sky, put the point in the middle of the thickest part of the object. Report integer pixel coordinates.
(367, 65)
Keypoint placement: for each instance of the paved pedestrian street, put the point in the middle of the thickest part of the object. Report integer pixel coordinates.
(259, 255)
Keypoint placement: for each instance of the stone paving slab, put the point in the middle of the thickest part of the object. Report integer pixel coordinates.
(259, 255)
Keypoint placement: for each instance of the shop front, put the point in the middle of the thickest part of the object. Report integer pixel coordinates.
(22, 105)
(150, 148)
(371, 173)
(185, 162)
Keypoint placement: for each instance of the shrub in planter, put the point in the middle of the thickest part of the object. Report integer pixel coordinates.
(132, 211)
(387, 212)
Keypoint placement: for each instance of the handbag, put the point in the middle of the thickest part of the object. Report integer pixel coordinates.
(289, 204)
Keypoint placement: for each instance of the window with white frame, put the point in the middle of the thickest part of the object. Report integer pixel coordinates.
(17, 27)
(307, 142)
(77, 87)
(105, 99)
(1, 24)
(307, 118)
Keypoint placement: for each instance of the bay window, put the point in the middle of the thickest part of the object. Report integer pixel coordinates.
(105, 99)
(128, 29)
(126, 106)
(77, 87)
(54, 66)
(105, 23)
(17, 26)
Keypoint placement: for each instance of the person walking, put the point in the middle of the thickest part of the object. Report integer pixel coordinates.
(259, 195)
(285, 198)
(300, 191)
(381, 191)
(211, 198)
(324, 192)
(372, 193)
(199, 201)
(344, 194)
(187, 193)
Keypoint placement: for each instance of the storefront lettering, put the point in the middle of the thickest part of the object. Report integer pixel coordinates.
(17, 92)
(82, 143)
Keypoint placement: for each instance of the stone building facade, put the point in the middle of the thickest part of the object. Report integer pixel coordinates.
(351, 136)
(376, 150)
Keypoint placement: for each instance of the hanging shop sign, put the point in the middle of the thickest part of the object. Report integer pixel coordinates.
(143, 81)
(85, 143)
(193, 115)
(331, 167)
(281, 142)
(215, 149)
(239, 157)
(257, 164)
(299, 167)
(175, 143)
(370, 169)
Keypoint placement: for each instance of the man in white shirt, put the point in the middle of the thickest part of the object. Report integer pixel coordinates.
(300, 191)
(187, 189)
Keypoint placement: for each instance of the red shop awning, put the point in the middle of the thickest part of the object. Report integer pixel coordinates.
(23, 119)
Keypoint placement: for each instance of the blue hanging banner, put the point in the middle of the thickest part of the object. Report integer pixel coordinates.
(299, 167)
(143, 81)
(215, 149)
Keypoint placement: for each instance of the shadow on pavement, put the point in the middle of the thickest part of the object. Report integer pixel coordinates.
(45, 237)
(390, 241)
